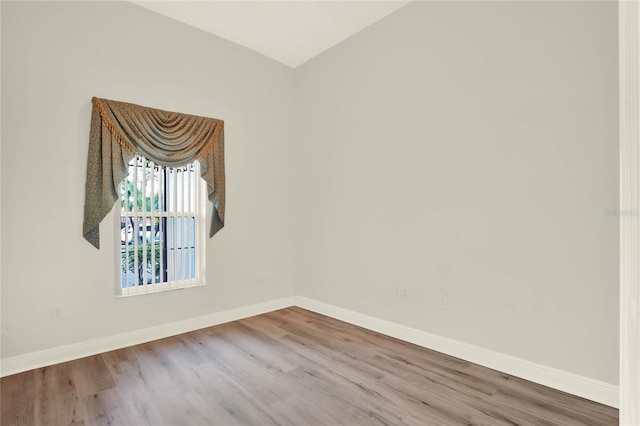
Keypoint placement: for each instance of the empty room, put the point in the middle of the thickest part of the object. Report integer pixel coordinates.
(320, 213)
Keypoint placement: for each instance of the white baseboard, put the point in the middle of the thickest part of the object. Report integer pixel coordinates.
(585, 387)
(60, 354)
(575, 384)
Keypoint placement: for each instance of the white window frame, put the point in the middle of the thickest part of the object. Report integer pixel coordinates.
(199, 212)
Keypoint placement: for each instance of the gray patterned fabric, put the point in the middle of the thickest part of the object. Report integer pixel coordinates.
(120, 131)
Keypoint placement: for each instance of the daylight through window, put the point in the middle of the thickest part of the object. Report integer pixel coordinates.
(161, 228)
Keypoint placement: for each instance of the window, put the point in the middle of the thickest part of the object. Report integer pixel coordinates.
(161, 228)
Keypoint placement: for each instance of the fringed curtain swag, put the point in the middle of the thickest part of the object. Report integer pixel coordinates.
(120, 131)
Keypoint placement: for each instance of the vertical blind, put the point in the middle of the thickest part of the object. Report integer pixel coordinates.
(161, 227)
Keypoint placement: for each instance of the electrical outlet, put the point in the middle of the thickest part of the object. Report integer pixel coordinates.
(397, 292)
(56, 313)
(443, 301)
(404, 294)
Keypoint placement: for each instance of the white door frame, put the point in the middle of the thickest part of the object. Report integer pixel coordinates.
(629, 62)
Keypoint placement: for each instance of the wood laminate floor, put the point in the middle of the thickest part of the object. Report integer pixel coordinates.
(288, 367)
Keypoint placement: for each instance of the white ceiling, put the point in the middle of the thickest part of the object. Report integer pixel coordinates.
(291, 32)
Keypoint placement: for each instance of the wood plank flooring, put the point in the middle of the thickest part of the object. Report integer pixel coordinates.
(288, 367)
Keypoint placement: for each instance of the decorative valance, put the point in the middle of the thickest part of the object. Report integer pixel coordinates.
(120, 131)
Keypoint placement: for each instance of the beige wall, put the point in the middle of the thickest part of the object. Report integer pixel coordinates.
(457, 150)
(469, 150)
(55, 57)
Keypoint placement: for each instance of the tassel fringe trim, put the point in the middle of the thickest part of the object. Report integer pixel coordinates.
(130, 148)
